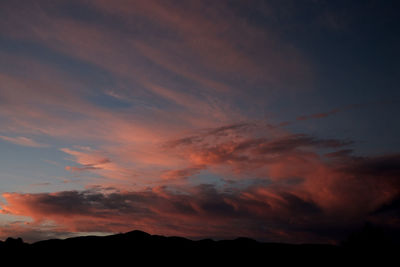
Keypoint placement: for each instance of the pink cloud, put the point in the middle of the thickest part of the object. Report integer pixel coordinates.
(220, 35)
(301, 194)
(313, 207)
(181, 173)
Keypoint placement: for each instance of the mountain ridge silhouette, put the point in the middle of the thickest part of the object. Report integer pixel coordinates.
(142, 246)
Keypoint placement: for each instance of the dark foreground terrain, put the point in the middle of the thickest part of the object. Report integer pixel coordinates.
(139, 247)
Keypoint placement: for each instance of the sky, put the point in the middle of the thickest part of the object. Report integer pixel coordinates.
(274, 120)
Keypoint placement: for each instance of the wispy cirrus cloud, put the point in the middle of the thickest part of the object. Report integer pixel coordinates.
(22, 141)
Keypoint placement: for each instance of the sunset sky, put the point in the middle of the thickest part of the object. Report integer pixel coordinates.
(275, 120)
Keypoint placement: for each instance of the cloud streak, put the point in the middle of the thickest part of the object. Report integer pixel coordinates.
(22, 141)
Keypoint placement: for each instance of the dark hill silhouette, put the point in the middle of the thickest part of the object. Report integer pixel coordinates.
(137, 246)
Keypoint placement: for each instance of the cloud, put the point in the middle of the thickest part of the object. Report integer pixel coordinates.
(181, 81)
(303, 188)
(305, 194)
(222, 131)
(331, 179)
(202, 51)
(115, 95)
(89, 160)
(87, 167)
(218, 40)
(292, 142)
(291, 212)
(181, 173)
(99, 163)
(384, 165)
(159, 210)
(319, 115)
(340, 154)
(392, 206)
(214, 133)
(22, 141)
(346, 108)
(238, 145)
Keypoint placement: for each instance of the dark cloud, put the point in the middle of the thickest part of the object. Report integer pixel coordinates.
(92, 210)
(224, 130)
(340, 154)
(183, 141)
(248, 150)
(301, 206)
(386, 165)
(214, 132)
(318, 115)
(392, 207)
(292, 142)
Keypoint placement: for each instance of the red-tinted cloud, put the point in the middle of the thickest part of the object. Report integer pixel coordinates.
(315, 206)
(181, 173)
